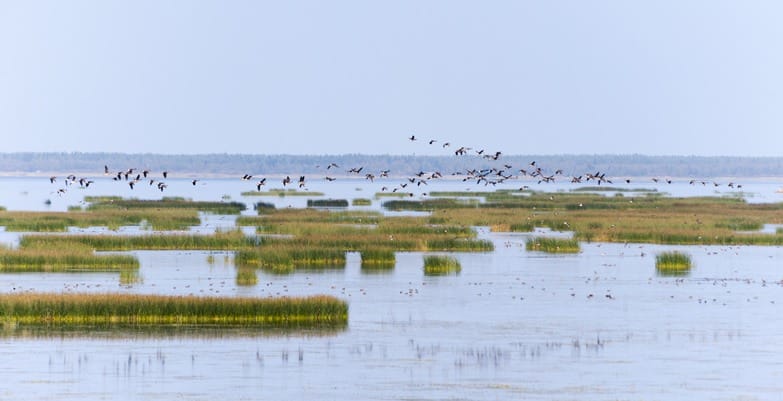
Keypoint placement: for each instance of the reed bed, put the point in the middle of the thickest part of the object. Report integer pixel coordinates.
(427, 205)
(284, 260)
(552, 245)
(327, 203)
(168, 203)
(673, 263)
(129, 309)
(113, 219)
(231, 240)
(73, 259)
(378, 259)
(263, 207)
(441, 265)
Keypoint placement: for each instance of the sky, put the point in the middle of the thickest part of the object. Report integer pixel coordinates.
(662, 77)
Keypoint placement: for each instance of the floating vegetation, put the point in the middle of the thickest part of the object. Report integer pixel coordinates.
(673, 263)
(375, 259)
(441, 265)
(53, 310)
(552, 245)
(361, 202)
(327, 203)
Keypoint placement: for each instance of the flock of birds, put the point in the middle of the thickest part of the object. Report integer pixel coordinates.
(492, 172)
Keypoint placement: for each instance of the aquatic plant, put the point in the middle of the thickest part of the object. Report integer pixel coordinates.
(552, 245)
(64, 309)
(441, 265)
(673, 263)
(377, 259)
(327, 203)
(361, 202)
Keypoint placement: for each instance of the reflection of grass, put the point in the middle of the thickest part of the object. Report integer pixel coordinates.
(673, 263)
(552, 245)
(440, 265)
(55, 310)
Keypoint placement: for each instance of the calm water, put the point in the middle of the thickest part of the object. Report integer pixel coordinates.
(513, 324)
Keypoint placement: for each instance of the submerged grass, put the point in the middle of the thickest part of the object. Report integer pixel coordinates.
(441, 265)
(131, 309)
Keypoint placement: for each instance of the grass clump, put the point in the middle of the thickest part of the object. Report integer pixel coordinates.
(231, 240)
(378, 259)
(441, 265)
(156, 310)
(552, 245)
(282, 192)
(71, 259)
(361, 202)
(167, 203)
(246, 277)
(673, 263)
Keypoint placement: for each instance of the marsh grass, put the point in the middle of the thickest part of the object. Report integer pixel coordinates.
(113, 219)
(72, 259)
(441, 265)
(552, 245)
(282, 193)
(246, 277)
(284, 259)
(376, 259)
(361, 202)
(231, 240)
(673, 263)
(130, 309)
(167, 203)
(327, 203)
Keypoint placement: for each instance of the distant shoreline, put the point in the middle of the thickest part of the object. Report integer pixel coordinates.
(233, 165)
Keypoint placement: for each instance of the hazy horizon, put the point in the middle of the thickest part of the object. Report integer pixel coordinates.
(664, 78)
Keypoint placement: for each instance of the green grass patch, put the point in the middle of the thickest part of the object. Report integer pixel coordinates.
(441, 265)
(231, 240)
(167, 203)
(282, 192)
(129, 309)
(673, 263)
(376, 259)
(552, 245)
(71, 259)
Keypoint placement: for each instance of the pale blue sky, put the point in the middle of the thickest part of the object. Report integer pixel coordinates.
(326, 77)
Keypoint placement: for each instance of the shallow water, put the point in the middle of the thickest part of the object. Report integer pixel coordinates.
(599, 325)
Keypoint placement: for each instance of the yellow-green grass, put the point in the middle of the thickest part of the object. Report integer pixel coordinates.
(673, 263)
(246, 277)
(552, 245)
(287, 259)
(441, 265)
(167, 203)
(282, 192)
(158, 310)
(374, 259)
(231, 240)
(592, 217)
(112, 219)
(71, 259)
(361, 202)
